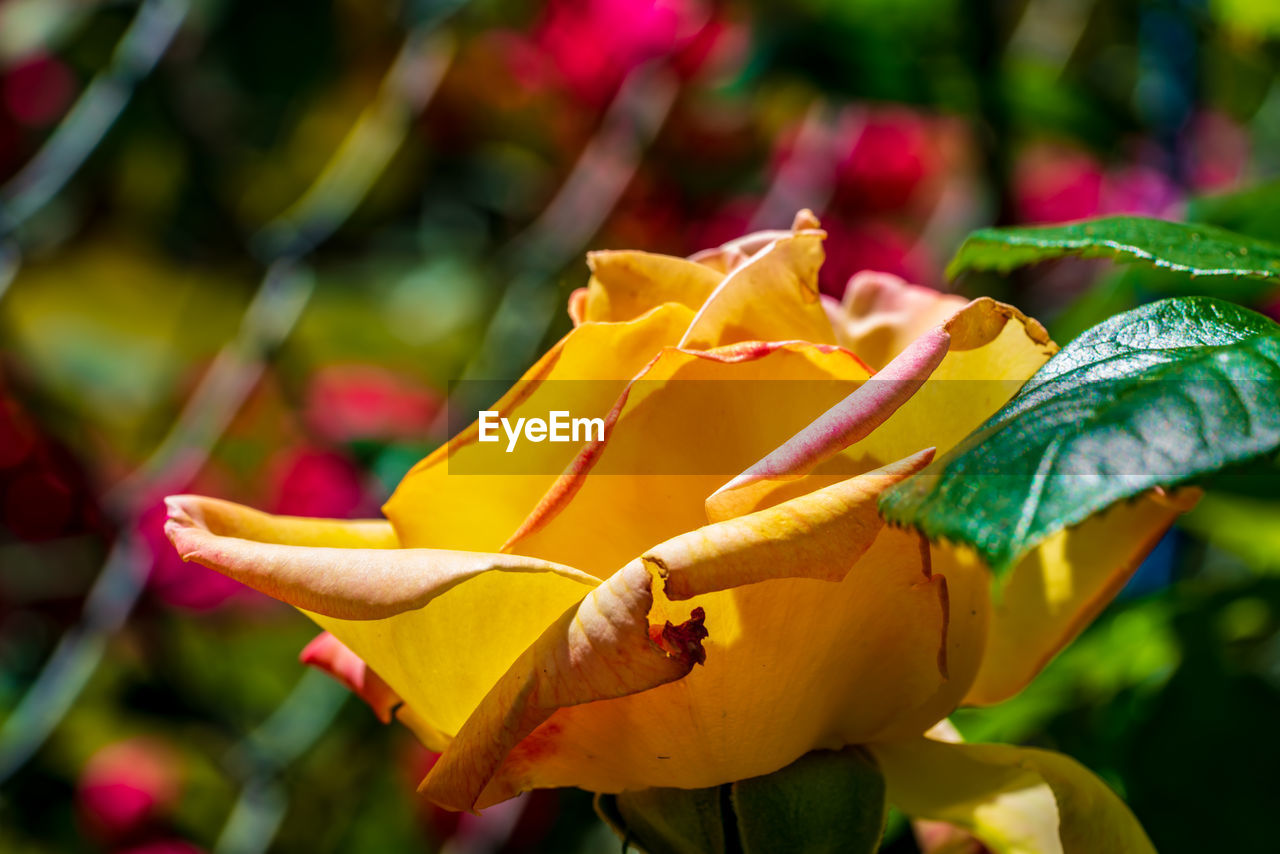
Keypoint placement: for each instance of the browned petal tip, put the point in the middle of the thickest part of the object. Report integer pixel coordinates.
(685, 640)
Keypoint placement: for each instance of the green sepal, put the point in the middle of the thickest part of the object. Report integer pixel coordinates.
(826, 802)
(667, 820)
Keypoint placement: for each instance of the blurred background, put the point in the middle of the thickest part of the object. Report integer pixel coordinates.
(244, 247)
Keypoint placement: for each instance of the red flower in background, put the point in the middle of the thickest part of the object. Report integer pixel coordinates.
(312, 481)
(869, 245)
(589, 46)
(350, 402)
(127, 785)
(38, 89)
(1054, 183)
(888, 157)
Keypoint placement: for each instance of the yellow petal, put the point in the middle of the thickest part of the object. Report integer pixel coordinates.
(881, 314)
(600, 650)
(626, 284)
(692, 419)
(1059, 588)
(792, 665)
(439, 627)
(1016, 800)
(772, 297)
(479, 511)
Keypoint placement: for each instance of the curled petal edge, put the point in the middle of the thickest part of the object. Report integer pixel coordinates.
(345, 583)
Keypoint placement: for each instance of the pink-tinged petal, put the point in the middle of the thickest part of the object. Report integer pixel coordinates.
(602, 649)
(881, 315)
(325, 652)
(439, 627)
(849, 421)
(578, 306)
(345, 583)
(728, 256)
(772, 297)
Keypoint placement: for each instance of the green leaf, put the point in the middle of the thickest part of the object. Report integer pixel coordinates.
(1162, 395)
(1201, 250)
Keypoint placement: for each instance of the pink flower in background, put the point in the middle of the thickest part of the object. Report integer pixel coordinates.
(869, 245)
(315, 482)
(1053, 183)
(38, 89)
(887, 159)
(590, 45)
(1140, 190)
(182, 585)
(349, 402)
(127, 784)
(1218, 151)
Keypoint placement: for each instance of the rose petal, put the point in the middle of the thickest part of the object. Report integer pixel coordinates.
(1016, 800)
(325, 652)
(440, 627)
(625, 284)
(849, 421)
(772, 297)
(792, 665)
(602, 649)
(881, 314)
(728, 256)
(820, 535)
(684, 423)
(1057, 590)
(479, 511)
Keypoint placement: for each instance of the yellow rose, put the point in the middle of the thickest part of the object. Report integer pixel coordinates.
(622, 631)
